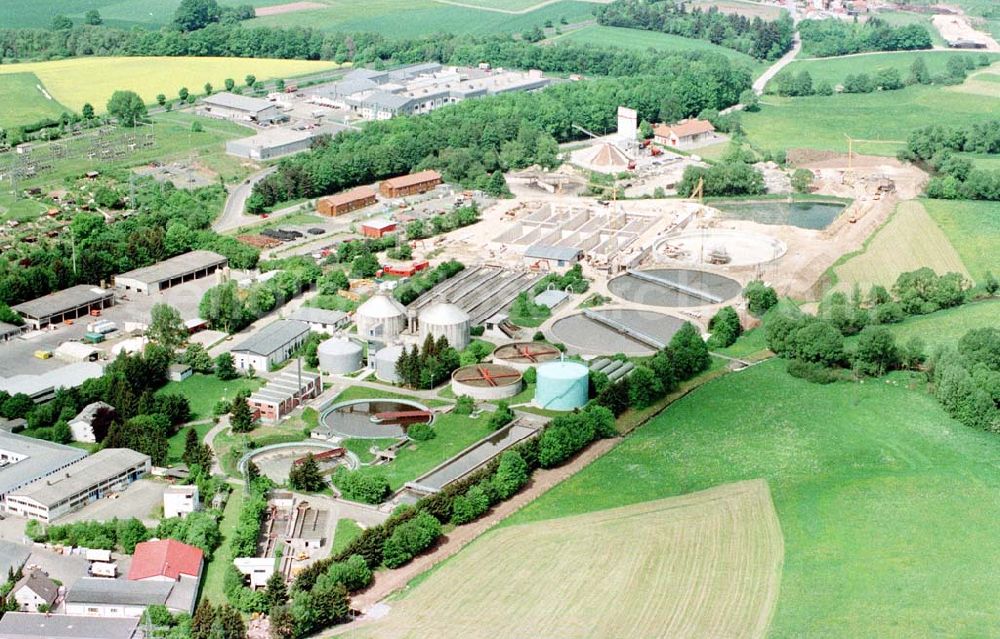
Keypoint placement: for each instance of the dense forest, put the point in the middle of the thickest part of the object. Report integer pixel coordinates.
(824, 38)
(764, 40)
(169, 222)
(469, 140)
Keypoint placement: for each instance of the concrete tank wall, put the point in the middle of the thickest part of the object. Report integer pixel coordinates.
(503, 391)
(562, 385)
(339, 356)
(447, 320)
(385, 363)
(391, 326)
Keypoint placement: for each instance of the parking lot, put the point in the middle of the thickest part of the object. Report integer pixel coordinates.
(143, 500)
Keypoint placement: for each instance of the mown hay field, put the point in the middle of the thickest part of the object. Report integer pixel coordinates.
(116, 13)
(887, 506)
(706, 564)
(908, 241)
(76, 81)
(973, 228)
(23, 100)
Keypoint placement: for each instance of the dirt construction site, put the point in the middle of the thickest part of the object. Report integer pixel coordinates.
(706, 564)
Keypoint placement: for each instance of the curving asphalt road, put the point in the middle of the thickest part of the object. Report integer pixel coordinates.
(232, 213)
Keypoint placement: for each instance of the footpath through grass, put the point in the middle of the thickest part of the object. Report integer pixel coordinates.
(888, 507)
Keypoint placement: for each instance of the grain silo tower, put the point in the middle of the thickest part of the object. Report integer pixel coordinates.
(442, 318)
(381, 317)
(562, 385)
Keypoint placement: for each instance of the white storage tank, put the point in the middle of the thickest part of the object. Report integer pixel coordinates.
(339, 356)
(385, 363)
(562, 385)
(381, 316)
(442, 318)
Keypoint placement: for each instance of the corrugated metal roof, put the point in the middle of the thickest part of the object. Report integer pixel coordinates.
(550, 252)
(273, 337)
(93, 590)
(239, 102)
(102, 465)
(60, 301)
(175, 266)
(27, 625)
(43, 458)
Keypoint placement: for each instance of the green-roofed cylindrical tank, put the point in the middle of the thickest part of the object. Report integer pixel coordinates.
(562, 385)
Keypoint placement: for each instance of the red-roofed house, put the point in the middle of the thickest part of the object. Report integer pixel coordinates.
(683, 132)
(166, 560)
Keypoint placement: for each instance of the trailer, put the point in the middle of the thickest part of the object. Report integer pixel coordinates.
(104, 569)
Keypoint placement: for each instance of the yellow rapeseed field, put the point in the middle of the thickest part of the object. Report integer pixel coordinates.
(75, 81)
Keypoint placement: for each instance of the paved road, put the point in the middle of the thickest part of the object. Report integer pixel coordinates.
(782, 62)
(232, 213)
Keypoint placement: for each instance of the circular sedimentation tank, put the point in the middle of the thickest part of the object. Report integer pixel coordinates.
(385, 363)
(444, 319)
(339, 356)
(562, 385)
(589, 335)
(674, 287)
(486, 381)
(720, 247)
(357, 418)
(523, 355)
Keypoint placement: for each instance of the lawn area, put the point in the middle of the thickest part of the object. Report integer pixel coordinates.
(871, 481)
(454, 433)
(944, 327)
(175, 445)
(414, 18)
(821, 122)
(362, 447)
(75, 81)
(909, 240)
(834, 70)
(24, 101)
(973, 229)
(20, 209)
(531, 321)
(215, 571)
(598, 35)
(346, 532)
(204, 391)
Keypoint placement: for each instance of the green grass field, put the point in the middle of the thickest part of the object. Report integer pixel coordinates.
(637, 39)
(24, 100)
(175, 445)
(117, 13)
(215, 572)
(204, 391)
(820, 122)
(945, 327)
(347, 530)
(76, 81)
(834, 70)
(904, 18)
(973, 228)
(887, 506)
(413, 18)
(454, 432)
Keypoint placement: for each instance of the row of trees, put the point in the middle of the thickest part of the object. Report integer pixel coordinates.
(200, 529)
(169, 221)
(936, 147)
(822, 38)
(764, 40)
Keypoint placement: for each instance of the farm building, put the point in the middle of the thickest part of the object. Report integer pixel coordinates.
(321, 320)
(183, 268)
(66, 305)
(283, 393)
(27, 625)
(43, 387)
(272, 345)
(82, 426)
(100, 597)
(24, 460)
(357, 198)
(377, 227)
(684, 132)
(411, 184)
(33, 591)
(230, 106)
(9, 331)
(275, 143)
(89, 479)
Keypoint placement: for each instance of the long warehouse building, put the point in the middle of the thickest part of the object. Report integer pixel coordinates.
(183, 268)
(24, 460)
(86, 481)
(66, 305)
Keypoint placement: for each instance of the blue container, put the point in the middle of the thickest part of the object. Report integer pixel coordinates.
(562, 385)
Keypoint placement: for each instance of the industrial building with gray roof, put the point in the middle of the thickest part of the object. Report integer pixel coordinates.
(176, 270)
(271, 345)
(42, 387)
(68, 304)
(27, 625)
(106, 471)
(24, 460)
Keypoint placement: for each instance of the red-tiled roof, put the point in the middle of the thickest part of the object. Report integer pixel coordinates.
(684, 129)
(412, 179)
(359, 193)
(165, 558)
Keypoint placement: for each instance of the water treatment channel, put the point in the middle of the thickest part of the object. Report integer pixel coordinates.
(616, 330)
(674, 287)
